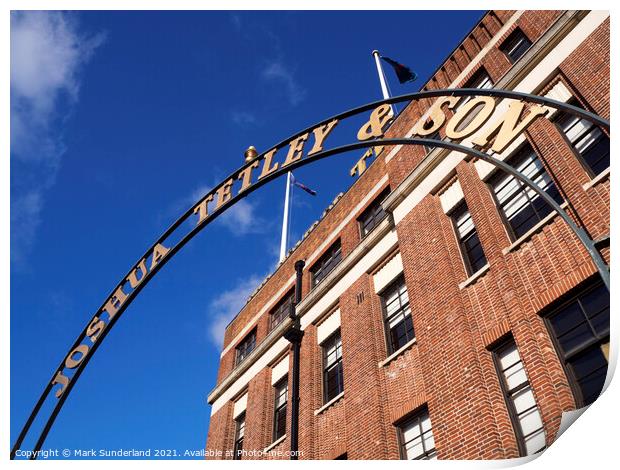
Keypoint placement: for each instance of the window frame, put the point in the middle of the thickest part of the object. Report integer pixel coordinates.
(499, 175)
(507, 393)
(375, 207)
(572, 296)
(418, 415)
(395, 285)
(454, 215)
(335, 250)
(238, 348)
(282, 309)
(511, 37)
(580, 158)
(238, 442)
(325, 367)
(283, 382)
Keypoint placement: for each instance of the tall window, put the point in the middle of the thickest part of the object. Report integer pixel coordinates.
(373, 214)
(279, 417)
(397, 315)
(326, 263)
(515, 45)
(246, 347)
(581, 330)
(589, 142)
(281, 310)
(521, 206)
(520, 401)
(416, 438)
(239, 433)
(466, 232)
(333, 382)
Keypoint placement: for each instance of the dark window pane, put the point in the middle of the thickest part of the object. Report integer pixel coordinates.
(471, 249)
(333, 383)
(522, 207)
(326, 263)
(515, 45)
(576, 337)
(581, 327)
(590, 370)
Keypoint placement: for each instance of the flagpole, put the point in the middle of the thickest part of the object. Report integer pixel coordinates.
(284, 239)
(382, 80)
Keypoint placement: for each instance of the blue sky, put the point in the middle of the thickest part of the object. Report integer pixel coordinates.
(119, 122)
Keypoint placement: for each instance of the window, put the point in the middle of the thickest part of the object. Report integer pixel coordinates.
(246, 347)
(521, 206)
(373, 214)
(281, 310)
(239, 433)
(333, 383)
(397, 315)
(515, 45)
(326, 263)
(580, 327)
(522, 407)
(466, 233)
(589, 142)
(482, 81)
(279, 415)
(416, 438)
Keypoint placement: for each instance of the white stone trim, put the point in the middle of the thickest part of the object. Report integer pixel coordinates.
(601, 176)
(451, 197)
(388, 273)
(328, 326)
(329, 403)
(397, 353)
(240, 405)
(279, 370)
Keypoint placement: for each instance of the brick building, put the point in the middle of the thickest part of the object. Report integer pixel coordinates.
(448, 312)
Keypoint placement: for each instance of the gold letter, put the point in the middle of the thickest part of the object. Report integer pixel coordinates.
(223, 193)
(73, 363)
(481, 116)
(296, 148)
(63, 380)
(95, 328)
(133, 276)
(436, 116)
(378, 120)
(267, 168)
(505, 130)
(115, 301)
(245, 176)
(158, 253)
(320, 134)
(360, 165)
(202, 209)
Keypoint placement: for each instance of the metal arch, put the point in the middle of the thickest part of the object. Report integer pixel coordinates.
(580, 233)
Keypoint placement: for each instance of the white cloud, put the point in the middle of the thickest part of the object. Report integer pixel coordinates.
(243, 118)
(241, 219)
(276, 71)
(47, 54)
(223, 308)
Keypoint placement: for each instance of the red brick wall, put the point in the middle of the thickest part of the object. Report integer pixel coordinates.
(449, 368)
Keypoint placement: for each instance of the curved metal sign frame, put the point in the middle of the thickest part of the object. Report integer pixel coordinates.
(158, 254)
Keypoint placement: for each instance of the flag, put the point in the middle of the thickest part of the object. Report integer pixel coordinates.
(302, 186)
(404, 73)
